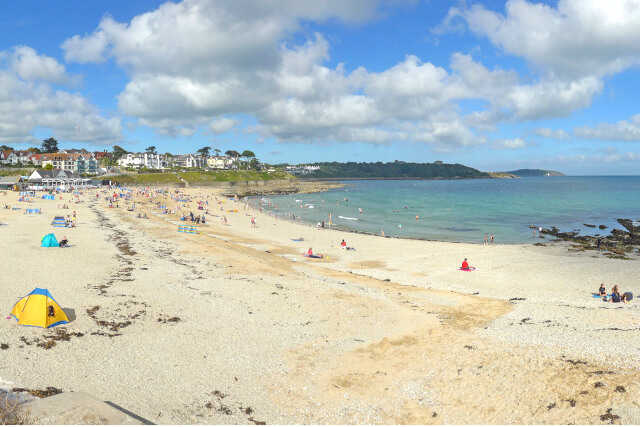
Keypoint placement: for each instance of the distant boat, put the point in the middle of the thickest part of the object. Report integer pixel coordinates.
(548, 174)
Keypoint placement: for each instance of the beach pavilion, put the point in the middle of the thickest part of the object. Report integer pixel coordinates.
(57, 178)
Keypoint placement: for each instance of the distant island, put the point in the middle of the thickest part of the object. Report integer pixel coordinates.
(391, 170)
(522, 173)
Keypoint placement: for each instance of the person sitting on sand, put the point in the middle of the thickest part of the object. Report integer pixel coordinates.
(310, 252)
(343, 244)
(615, 294)
(465, 265)
(64, 242)
(626, 297)
(602, 291)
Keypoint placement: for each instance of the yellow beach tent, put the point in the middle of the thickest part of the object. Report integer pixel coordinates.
(38, 308)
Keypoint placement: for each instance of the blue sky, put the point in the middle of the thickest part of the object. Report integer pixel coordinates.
(490, 84)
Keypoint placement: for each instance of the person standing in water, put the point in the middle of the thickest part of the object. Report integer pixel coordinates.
(485, 239)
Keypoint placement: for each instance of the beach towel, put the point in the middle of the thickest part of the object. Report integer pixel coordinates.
(470, 269)
(298, 240)
(598, 295)
(314, 256)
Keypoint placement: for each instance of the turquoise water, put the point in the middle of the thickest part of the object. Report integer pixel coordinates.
(464, 210)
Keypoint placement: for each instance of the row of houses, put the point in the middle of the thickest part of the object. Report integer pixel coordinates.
(77, 161)
(160, 161)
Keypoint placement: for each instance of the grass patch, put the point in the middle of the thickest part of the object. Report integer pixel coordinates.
(231, 175)
(147, 178)
(10, 411)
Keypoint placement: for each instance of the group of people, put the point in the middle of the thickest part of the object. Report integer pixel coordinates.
(199, 219)
(486, 239)
(616, 295)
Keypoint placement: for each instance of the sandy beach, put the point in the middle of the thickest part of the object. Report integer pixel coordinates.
(233, 325)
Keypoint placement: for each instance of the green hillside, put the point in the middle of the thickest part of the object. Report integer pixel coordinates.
(395, 170)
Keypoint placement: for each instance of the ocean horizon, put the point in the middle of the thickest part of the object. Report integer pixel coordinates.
(465, 210)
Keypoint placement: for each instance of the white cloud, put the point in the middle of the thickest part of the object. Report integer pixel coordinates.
(29, 66)
(223, 125)
(194, 63)
(27, 102)
(551, 133)
(576, 38)
(509, 144)
(621, 131)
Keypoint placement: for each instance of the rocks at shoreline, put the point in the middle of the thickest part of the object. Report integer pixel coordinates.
(618, 243)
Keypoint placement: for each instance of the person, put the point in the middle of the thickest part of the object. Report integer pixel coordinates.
(626, 297)
(599, 242)
(51, 312)
(343, 244)
(310, 252)
(602, 290)
(465, 265)
(485, 239)
(492, 238)
(64, 242)
(318, 226)
(615, 294)
(534, 232)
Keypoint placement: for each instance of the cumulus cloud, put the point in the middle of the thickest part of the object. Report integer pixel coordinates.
(29, 66)
(27, 102)
(624, 130)
(551, 133)
(509, 144)
(198, 62)
(223, 125)
(574, 39)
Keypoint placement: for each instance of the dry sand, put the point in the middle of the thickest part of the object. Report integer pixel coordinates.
(234, 326)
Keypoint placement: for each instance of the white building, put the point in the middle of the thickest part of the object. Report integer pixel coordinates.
(143, 160)
(188, 161)
(220, 162)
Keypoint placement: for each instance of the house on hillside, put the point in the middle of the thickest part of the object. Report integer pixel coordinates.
(22, 156)
(99, 155)
(8, 157)
(74, 162)
(188, 161)
(73, 151)
(36, 159)
(143, 160)
(220, 162)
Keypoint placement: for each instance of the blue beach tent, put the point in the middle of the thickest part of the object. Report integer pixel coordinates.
(50, 241)
(49, 197)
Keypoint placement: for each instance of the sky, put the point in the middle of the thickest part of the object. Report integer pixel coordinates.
(489, 84)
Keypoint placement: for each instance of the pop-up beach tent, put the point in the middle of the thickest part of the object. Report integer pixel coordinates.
(33, 210)
(38, 308)
(59, 221)
(50, 241)
(49, 197)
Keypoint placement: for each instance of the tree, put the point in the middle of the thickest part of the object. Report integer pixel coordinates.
(6, 147)
(167, 154)
(48, 167)
(232, 153)
(151, 150)
(204, 151)
(35, 150)
(118, 152)
(50, 145)
(247, 154)
(217, 151)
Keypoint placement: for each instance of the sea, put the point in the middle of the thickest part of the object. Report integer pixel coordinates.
(466, 210)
